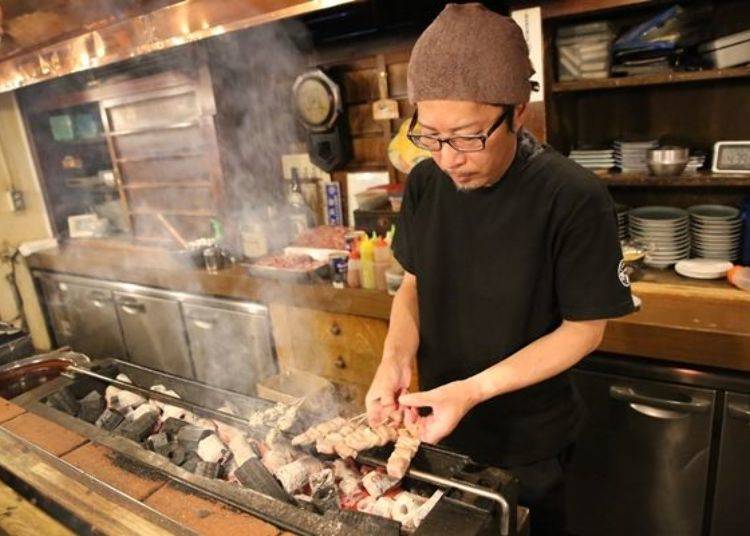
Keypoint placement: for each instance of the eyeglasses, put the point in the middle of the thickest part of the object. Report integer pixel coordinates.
(463, 144)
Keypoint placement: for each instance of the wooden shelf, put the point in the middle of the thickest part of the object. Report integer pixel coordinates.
(165, 156)
(701, 179)
(672, 77)
(166, 184)
(173, 212)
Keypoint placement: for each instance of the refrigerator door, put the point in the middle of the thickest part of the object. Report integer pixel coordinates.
(641, 464)
(731, 514)
(96, 331)
(154, 333)
(230, 349)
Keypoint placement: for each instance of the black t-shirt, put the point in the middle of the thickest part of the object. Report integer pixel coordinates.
(499, 267)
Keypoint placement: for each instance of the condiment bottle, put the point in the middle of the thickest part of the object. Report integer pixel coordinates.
(382, 258)
(353, 270)
(367, 263)
(739, 276)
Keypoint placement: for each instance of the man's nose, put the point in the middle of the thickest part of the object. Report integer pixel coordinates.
(449, 157)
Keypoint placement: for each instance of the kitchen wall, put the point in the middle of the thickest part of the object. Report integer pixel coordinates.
(17, 170)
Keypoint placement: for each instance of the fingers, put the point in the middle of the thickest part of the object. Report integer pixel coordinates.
(379, 407)
(417, 400)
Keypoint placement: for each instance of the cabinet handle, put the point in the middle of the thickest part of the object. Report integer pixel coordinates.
(132, 307)
(335, 329)
(98, 299)
(628, 394)
(203, 324)
(739, 412)
(339, 363)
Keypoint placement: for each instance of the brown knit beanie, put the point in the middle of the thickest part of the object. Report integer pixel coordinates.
(470, 53)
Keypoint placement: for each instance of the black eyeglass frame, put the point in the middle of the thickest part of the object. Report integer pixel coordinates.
(508, 110)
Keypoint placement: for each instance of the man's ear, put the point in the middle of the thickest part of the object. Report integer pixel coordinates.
(519, 115)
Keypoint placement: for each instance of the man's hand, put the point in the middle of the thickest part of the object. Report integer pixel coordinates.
(449, 404)
(391, 378)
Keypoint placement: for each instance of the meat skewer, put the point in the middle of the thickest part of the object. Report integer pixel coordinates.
(406, 448)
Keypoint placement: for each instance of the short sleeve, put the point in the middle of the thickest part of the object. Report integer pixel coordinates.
(590, 277)
(403, 243)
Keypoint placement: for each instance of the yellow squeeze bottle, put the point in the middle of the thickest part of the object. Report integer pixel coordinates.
(367, 263)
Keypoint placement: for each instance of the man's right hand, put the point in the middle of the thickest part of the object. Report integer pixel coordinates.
(391, 379)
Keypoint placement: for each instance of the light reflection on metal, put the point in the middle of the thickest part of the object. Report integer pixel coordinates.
(170, 26)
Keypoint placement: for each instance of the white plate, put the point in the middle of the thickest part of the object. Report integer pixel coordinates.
(658, 213)
(714, 212)
(703, 268)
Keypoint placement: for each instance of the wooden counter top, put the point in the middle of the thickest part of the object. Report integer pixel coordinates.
(684, 320)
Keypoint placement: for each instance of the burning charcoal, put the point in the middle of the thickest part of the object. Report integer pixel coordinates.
(177, 454)
(296, 474)
(171, 426)
(211, 449)
(64, 401)
(157, 442)
(277, 457)
(138, 429)
(241, 449)
(124, 400)
(406, 505)
(305, 502)
(190, 436)
(322, 478)
(142, 410)
(253, 474)
(92, 406)
(227, 468)
(170, 411)
(376, 483)
(383, 507)
(207, 469)
(326, 498)
(416, 518)
(191, 461)
(109, 420)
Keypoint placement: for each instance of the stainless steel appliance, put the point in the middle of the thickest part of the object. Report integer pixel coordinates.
(154, 332)
(230, 343)
(645, 463)
(83, 316)
(730, 513)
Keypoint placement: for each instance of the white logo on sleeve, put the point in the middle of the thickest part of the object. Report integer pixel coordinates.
(622, 273)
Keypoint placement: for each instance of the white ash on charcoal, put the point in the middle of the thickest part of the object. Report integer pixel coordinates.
(125, 400)
(321, 479)
(413, 521)
(405, 506)
(141, 410)
(241, 449)
(377, 483)
(277, 457)
(293, 476)
(212, 449)
(383, 507)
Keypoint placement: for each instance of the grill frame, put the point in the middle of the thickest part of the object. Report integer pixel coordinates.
(291, 517)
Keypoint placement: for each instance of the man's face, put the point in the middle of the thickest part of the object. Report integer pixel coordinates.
(470, 170)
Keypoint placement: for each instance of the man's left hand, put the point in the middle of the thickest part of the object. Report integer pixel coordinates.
(449, 404)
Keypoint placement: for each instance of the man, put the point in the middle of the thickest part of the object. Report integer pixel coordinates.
(512, 259)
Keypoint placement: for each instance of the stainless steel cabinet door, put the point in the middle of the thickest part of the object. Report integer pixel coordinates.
(84, 318)
(96, 330)
(731, 513)
(231, 350)
(154, 333)
(641, 464)
(59, 317)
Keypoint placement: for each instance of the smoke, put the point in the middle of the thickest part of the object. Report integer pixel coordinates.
(251, 74)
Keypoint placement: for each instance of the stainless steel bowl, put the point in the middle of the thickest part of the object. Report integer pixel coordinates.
(668, 160)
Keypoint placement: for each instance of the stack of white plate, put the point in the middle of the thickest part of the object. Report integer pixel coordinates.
(622, 221)
(601, 159)
(716, 231)
(665, 232)
(703, 268)
(630, 156)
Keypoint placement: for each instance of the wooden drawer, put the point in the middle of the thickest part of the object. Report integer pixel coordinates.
(345, 333)
(343, 348)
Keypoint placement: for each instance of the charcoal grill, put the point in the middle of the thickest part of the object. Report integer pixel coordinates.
(478, 499)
